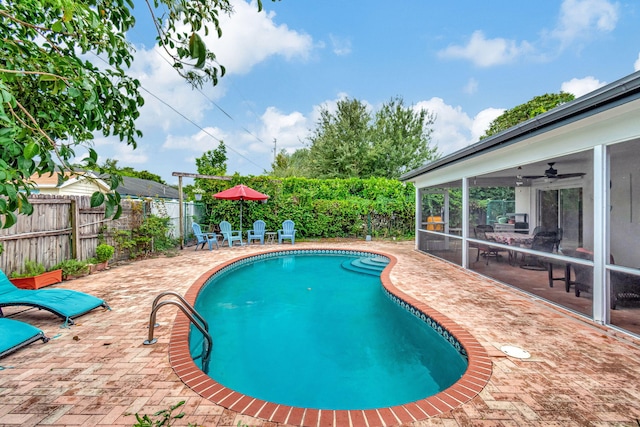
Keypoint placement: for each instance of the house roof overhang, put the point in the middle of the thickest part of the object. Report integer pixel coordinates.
(607, 97)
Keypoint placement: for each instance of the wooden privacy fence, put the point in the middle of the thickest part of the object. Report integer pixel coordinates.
(60, 228)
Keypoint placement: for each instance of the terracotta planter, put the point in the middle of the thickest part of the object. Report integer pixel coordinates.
(37, 282)
(98, 267)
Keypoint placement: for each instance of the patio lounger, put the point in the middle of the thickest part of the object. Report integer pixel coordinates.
(65, 303)
(15, 334)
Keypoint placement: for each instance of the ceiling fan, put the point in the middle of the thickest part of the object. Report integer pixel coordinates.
(552, 173)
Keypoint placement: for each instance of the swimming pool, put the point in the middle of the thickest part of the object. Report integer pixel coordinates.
(330, 338)
(471, 383)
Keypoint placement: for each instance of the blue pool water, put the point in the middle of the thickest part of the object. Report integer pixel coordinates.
(301, 330)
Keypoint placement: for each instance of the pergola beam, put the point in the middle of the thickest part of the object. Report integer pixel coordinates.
(181, 198)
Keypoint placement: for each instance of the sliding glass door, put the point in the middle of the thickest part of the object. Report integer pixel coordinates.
(562, 209)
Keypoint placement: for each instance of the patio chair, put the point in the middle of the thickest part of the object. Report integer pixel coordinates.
(15, 334)
(287, 231)
(258, 231)
(623, 286)
(65, 303)
(230, 235)
(543, 241)
(204, 238)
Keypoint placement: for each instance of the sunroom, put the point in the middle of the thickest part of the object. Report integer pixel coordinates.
(550, 206)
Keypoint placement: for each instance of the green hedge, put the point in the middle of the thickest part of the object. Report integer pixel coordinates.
(319, 207)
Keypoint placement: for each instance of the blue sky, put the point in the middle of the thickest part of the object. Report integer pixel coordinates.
(464, 61)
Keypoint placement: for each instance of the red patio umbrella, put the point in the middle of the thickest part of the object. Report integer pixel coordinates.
(240, 192)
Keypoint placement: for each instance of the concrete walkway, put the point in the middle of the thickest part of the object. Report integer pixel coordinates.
(98, 372)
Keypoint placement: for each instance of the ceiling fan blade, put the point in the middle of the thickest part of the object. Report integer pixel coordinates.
(533, 176)
(570, 175)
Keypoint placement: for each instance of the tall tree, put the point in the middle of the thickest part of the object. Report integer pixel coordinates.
(341, 141)
(53, 96)
(294, 164)
(110, 166)
(401, 138)
(213, 162)
(528, 110)
(352, 143)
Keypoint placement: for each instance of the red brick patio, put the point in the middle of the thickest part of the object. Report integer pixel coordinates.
(99, 371)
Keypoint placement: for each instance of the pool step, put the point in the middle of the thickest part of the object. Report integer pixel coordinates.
(367, 265)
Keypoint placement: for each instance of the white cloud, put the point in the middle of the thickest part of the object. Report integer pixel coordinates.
(579, 87)
(341, 46)
(162, 85)
(577, 20)
(453, 128)
(120, 151)
(583, 18)
(636, 65)
(289, 130)
(482, 121)
(204, 140)
(172, 106)
(485, 52)
(249, 37)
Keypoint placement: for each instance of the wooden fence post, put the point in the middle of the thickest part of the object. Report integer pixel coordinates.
(74, 214)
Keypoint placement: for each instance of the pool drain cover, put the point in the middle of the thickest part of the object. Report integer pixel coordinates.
(516, 352)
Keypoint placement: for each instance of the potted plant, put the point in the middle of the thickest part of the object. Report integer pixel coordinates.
(72, 268)
(34, 276)
(197, 193)
(104, 253)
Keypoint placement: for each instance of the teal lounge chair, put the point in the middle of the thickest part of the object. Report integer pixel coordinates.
(287, 231)
(65, 303)
(204, 238)
(15, 334)
(258, 231)
(230, 235)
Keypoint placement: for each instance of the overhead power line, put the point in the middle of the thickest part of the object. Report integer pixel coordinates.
(198, 126)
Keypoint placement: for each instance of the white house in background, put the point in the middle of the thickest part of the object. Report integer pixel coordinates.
(573, 171)
(77, 185)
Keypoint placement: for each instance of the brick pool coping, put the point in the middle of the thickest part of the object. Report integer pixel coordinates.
(471, 383)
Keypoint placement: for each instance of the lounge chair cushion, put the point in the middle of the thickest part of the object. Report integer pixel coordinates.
(65, 303)
(15, 334)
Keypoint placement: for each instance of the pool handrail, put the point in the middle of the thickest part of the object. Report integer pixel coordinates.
(190, 312)
(184, 302)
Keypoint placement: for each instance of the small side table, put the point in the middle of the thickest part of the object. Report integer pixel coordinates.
(270, 237)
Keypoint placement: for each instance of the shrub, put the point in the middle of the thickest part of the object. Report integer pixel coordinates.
(104, 252)
(30, 269)
(72, 267)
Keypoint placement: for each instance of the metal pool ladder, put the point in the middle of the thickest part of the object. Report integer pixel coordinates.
(193, 316)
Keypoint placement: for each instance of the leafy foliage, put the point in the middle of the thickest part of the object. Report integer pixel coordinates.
(294, 164)
(110, 166)
(150, 237)
(320, 207)
(104, 252)
(163, 417)
(213, 162)
(341, 141)
(54, 98)
(352, 143)
(72, 267)
(526, 111)
(31, 268)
